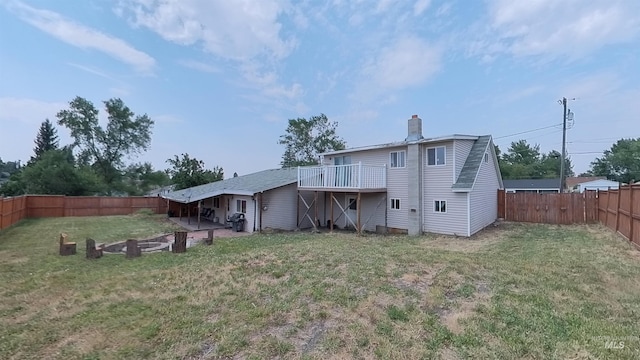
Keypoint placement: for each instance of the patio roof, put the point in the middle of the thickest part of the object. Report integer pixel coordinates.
(242, 185)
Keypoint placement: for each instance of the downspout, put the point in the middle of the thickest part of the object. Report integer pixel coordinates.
(254, 211)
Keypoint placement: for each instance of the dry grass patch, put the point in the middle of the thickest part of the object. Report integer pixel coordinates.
(516, 291)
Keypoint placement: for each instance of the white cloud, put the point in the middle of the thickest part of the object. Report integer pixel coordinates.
(551, 28)
(238, 30)
(409, 61)
(420, 6)
(198, 65)
(82, 36)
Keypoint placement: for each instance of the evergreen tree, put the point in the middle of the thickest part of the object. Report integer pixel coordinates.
(47, 139)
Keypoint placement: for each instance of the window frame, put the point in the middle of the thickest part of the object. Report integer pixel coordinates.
(352, 205)
(437, 206)
(404, 159)
(486, 158)
(395, 204)
(241, 206)
(435, 155)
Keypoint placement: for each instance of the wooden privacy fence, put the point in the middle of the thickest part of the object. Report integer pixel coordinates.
(554, 208)
(619, 210)
(14, 209)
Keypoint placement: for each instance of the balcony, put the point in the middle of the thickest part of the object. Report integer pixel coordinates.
(352, 177)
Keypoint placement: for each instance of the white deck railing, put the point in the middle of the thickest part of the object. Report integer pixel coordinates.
(353, 176)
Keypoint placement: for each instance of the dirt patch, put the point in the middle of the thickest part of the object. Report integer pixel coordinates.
(491, 235)
(14, 261)
(462, 308)
(418, 282)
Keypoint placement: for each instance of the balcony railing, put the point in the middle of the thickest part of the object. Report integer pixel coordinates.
(352, 176)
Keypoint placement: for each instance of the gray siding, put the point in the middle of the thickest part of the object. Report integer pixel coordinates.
(308, 196)
(397, 183)
(250, 213)
(372, 209)
(462, 150)
(281, 208)
(437, 181)
(484, 196)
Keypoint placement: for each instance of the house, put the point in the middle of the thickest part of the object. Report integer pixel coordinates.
(445, 185)
(540, 186)
(599, 184)
(160, 191)
(571, 183)
(266, 198)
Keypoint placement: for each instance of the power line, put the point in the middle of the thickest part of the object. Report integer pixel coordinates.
(525, 132)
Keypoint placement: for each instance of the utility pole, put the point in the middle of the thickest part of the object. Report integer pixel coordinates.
(564, 142)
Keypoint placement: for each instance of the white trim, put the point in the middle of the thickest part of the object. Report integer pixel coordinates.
(404, 158)
(446, 207)
(468, 214)
(453, 181)
(391, 204)
(402, 143)
(436, 155)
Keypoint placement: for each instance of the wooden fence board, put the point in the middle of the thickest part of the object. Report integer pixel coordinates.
(15, 209)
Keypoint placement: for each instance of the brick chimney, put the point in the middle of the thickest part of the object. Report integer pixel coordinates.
(415, 129)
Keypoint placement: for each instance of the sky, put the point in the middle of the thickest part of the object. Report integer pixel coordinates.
(221, 78)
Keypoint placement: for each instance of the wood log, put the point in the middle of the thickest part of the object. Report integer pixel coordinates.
(209, 239)
(92, 251)
(133, 249)
(180, 242)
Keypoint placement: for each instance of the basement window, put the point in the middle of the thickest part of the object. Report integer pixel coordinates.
(395, 204)
(397, 159)
(436, 156)
(440, 206)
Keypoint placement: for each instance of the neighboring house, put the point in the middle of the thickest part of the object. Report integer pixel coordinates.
(444, 185)
(571, 183)
(266, 198)
(540, 186)
(600, 184)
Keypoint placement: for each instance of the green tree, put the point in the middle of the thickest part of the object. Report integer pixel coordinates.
(620, 163)
(55, 174)
(47, 139)
(306, 139)
(524, 161)
(187, 172)
(105, 148)
(550, 165)
(139, 179)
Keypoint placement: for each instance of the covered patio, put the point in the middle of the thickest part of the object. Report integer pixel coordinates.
(194, 223)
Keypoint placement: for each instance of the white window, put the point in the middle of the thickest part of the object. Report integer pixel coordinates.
(440, 206)
(352, 203)
(216, 202)
(486, 157)
(397, 159)
(435, 156)
(241, 206)
(395, 204)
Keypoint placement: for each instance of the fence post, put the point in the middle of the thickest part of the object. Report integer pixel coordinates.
(618, 207)
(631, 219)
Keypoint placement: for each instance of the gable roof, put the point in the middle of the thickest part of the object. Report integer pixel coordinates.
(532, 184)
(471, 167)
(242, 185)
(573, 181)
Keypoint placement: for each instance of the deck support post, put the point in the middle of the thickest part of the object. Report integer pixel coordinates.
(315, 209)
(358, 211)
(331, 210)
(199, 212)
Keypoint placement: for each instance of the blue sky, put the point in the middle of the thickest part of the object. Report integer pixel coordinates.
(221, 78)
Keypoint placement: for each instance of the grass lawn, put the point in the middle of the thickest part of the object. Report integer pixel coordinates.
(518, 291)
